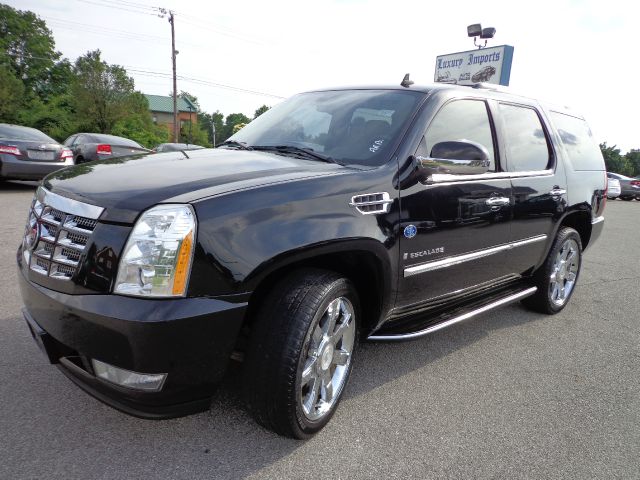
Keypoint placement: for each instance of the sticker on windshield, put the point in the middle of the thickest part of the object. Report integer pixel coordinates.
(376, 145)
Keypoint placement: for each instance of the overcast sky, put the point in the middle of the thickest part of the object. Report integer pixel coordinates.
(578, 53)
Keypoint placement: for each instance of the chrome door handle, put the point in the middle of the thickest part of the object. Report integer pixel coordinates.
(497, 201)
(557, 191)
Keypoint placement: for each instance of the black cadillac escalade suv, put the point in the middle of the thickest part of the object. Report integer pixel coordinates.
(340, 215)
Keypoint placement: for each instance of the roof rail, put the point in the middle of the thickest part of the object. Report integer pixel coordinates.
(491, 86)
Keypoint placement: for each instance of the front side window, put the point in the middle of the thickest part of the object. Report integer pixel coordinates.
(350, 126)
(461, 120)
(527, 145)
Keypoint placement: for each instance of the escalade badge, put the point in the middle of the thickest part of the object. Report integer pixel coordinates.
(410, 231)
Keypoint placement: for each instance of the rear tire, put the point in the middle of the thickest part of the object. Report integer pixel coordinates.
(300, 353)
(557, 277)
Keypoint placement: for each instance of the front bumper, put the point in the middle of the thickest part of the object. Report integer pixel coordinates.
(191, 339)
(15, 169)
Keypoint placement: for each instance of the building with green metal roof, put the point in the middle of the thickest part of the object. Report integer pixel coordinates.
(161, 109)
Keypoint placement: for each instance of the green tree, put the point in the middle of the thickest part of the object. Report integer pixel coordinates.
(55, 117)
(260, 111)
(103, 93)
(231, 121)
(138, 126)
(238, 126)
(633, 157)
(27, 48)
(614, 161)
(11, 95)
(207, 120)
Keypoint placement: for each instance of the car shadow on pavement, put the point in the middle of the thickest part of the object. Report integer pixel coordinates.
(17, 186)
(238, 447)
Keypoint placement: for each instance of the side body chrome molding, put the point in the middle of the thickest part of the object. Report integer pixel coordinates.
(467, 257)
(434, 328)
(449, 178)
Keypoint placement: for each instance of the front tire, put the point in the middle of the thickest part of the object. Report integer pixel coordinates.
(557, 277)
(300, 354)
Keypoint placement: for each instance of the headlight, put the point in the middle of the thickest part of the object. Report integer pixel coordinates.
(156, 260)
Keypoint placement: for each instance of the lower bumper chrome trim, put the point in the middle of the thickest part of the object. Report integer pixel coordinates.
(434, 328)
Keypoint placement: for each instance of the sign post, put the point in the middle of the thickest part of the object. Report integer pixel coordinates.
(485, 65)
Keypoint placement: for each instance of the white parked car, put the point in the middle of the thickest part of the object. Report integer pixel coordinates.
(613, 189)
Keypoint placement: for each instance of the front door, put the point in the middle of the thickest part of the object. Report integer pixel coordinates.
(455, 229)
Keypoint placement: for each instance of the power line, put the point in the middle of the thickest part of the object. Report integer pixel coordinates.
(109, 5)
(202, 81)
(141, 6)
(99, 28)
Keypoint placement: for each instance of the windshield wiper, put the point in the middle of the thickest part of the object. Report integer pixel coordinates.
(235, 143)
(290, 149)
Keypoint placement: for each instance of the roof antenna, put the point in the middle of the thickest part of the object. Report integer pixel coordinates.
(406, 82)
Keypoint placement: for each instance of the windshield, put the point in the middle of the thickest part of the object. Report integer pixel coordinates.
(349, 126)
(15, 132)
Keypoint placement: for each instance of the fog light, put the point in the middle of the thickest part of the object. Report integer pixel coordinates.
(125, 378)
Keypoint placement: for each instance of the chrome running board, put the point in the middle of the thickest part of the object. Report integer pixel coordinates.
(447, 323)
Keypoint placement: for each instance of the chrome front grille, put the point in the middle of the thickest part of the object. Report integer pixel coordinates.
(57, 233)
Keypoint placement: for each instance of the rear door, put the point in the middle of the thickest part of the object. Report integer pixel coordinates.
(538, 180)
(455, 230)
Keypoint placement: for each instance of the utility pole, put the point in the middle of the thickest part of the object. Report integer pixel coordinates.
(176, 131)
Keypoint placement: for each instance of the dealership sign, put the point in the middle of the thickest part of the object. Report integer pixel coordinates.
(484, 65)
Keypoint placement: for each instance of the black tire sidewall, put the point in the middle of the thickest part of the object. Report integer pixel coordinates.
(564, 234)
(340, 288)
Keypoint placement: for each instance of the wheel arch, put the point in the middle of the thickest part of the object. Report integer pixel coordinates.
(580, 221)
(364, 262)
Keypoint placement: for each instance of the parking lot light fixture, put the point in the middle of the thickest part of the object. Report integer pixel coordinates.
(476, 31)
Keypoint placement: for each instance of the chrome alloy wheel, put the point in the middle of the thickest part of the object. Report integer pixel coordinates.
(328, 359)
(564, 272)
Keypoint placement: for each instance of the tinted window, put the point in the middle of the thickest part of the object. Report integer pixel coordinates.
(584, 152)
(461, 120)
(352, 126)
(15, 132)
(174, 147)
(111, 140)
(527, 147)
(69, 141)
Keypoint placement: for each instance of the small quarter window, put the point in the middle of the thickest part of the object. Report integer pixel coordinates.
(460, 120)
(527, 145)
(582, 149)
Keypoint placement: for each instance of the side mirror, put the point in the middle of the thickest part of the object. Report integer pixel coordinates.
(462, 157)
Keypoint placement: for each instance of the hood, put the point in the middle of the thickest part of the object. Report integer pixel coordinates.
(127, 186)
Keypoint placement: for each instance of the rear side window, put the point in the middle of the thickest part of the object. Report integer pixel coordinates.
(113, 140)
(16, 132)
(582, 149)
(527, 145)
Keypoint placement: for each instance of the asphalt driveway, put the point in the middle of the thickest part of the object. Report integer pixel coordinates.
(511, 394)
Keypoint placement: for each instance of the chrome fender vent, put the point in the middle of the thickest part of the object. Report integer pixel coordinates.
(372, 203)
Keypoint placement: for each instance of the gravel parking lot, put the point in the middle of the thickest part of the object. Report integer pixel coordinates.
(511, 394)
